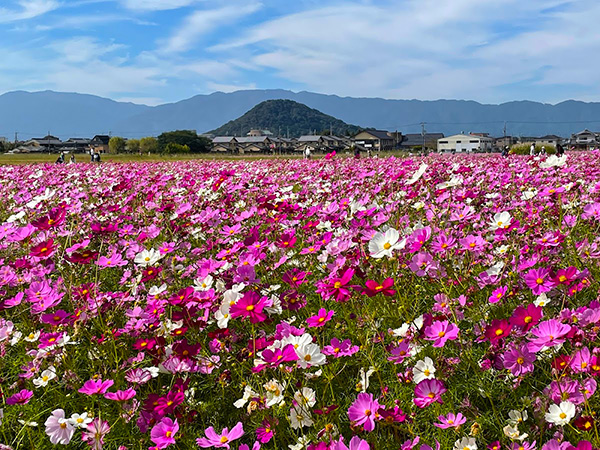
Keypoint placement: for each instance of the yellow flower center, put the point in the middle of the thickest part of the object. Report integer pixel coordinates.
(337, 285)
(224, 439)
(387, 245)
(250, 308)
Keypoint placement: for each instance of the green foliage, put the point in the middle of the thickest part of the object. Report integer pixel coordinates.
(283, 116)
(524, 149)
(196, 144)
(148, 145)
(133, 145)
(116, 145)
(174, 149)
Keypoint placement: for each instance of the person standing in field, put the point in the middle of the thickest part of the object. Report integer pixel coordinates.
(532, 149)
(307, 153)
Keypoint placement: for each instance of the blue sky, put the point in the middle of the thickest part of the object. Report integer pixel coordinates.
(156, 51)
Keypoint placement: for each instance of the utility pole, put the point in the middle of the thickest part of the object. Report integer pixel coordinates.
(505, 133)
(423, 135)
(16, 137)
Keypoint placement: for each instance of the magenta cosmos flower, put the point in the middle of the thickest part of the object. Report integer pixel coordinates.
(320, 319)
(163, 433)
(121, 396)
(539, 281)
(549, 333)
(222, 440)
(440, 331)
(355, 443)
(450, 420)
(94, 436)
(429, 391)
(98, 386)
(363, 411)
(519, 360)
(20, 398)
(251, 305)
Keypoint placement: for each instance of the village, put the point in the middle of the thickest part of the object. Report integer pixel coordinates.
(264, 142)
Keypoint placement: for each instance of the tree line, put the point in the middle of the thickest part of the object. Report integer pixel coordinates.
(168, 143)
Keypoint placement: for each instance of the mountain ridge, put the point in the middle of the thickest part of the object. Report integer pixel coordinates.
(34, 114)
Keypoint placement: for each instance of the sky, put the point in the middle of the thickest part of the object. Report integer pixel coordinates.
(158, 51)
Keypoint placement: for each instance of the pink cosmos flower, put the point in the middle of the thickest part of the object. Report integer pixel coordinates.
(440, 331)
(58, 428)
(338, 349)
(265, 432)
(222, 440)
(539, 281)
(363, 411)
(98, 386)
(94, 436)
(250, 306)
(121, 396)
(581, 361)
(113, 260)
(428, 391)
(519, 361)
(497, 294)
(20, 398)
(320, 319)
(163, 433)
(356, 443)
(549, 333)
(450, 420)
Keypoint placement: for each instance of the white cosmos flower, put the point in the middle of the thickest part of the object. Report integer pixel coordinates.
(554, 161)
(222, 316)
(305, 397)
(423, 370)
(310, 355)
(46, 376)
(274, 393)
(203, 285)
(364, 378)
(560, 414)
(418, 174)
(299, 418)
(80, 420)
(147, 257)
(465, 443)
(516, 417)
(383, 244)
(541, 300)
(501, 220)
(513, 433)
(248, 394)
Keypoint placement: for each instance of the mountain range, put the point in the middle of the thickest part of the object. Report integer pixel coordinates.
(35, 114)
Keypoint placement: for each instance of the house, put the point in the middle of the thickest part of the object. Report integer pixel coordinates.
(377, 140)
(465, 143)
(585, 140)
(47, 143)
(255, 144)
(3, 140)
(549, 139)
(76, 145)
(99, 143)
(416, 140)
(501, 142)
(225, 144)
(321, 143)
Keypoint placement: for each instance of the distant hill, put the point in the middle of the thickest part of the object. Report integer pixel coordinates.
(78, 115)
(287, 118)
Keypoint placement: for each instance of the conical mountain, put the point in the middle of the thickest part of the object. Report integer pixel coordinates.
(285, 118)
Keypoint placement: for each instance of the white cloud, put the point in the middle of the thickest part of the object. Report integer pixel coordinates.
(203, 22)
(28, 9)
(156, 5)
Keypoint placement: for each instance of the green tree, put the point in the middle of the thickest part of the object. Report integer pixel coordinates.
(133, 145)
(148, 145)
(196, 144)
(116, 145)
(173, 149)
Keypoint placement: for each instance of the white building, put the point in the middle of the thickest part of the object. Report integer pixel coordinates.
(465, 143)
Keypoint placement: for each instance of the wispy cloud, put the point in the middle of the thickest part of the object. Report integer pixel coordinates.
(203, 22)
(156, 5)
(27, 9)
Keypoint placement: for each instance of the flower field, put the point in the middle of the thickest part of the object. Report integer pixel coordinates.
(444, 302)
